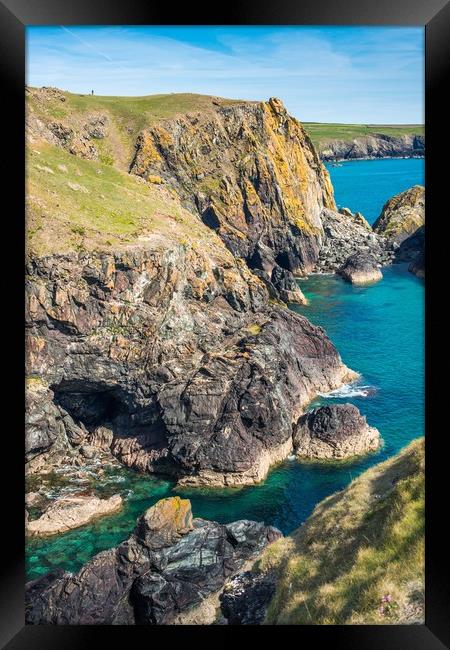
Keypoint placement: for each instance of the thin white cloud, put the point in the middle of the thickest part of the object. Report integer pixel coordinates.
(354, 75)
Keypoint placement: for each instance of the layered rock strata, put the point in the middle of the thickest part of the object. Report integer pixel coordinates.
(334, 432)
(253, 175)
(172, 359)
(170, 570)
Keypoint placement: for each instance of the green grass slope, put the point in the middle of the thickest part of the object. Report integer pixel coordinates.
(76, 204)
(321, 133)
(359, 558)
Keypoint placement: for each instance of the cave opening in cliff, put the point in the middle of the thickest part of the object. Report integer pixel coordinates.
(90, 403)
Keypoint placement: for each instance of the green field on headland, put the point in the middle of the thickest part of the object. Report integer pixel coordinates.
(320, 132)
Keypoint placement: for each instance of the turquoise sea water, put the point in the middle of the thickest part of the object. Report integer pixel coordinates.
(365, 185)
(378, 331)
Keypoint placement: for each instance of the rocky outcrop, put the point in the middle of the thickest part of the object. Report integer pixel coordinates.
(253, 176)
(72, 512)
(347, 234)
(361, 268)
(162, 574)
(176, 353)
(373, 146)
(402, 215)
(418, 266)
(402, 224)
(332, 432)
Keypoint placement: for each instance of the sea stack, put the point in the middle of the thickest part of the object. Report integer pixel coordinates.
(334, 432)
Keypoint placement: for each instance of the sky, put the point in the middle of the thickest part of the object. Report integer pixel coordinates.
(359, 75)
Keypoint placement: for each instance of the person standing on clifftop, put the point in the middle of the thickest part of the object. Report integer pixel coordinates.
(92, 92)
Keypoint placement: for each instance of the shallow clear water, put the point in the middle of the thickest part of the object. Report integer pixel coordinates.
(366, 185)
(378, 331)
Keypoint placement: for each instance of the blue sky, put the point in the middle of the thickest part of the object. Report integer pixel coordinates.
(324, 74)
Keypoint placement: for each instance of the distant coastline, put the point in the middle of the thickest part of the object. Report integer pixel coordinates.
(338, 142)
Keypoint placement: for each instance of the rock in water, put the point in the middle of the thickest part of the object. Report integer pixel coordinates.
(361, 268)
(337, 431)
(169, 568)
(72, 512)
(402, 215)
(402, 224)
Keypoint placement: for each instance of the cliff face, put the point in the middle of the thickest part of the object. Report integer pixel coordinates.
(373, 146)
(148, 336)
(252, 174)
(179, 356)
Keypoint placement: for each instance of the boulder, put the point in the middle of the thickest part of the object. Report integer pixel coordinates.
(334, 432)
(361, 268)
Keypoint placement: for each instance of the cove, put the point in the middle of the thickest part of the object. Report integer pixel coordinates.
(378, 330)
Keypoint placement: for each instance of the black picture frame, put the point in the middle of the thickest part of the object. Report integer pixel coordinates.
(434, 15)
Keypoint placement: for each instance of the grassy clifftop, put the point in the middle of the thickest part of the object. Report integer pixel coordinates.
(78, 202)
(128, 115)
(359, 558)
(321, 133)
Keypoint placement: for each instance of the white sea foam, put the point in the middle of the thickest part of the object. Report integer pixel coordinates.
(350, 390)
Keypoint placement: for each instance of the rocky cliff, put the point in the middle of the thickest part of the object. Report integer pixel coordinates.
(148, 333)
(248, 169)
(253, 175)
(180, 357)
(402, 225)
(373, 146)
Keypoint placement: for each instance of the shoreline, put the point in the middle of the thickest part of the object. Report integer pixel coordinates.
(332, 160)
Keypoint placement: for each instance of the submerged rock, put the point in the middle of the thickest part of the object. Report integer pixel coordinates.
(71, 512)
(337, 431)
(171, 568)
(361, 268)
